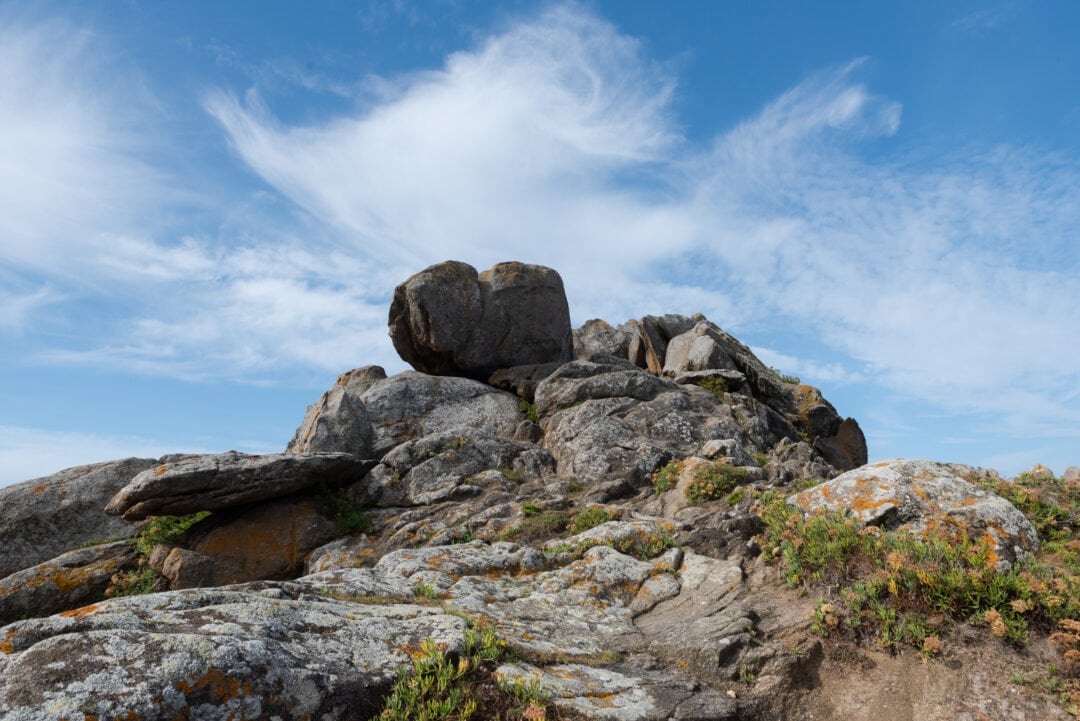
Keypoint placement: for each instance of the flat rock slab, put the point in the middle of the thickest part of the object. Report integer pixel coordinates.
(918, 495)
(224, 480)
(213, 655)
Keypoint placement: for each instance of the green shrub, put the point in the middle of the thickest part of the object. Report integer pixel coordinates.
(132, 583)
(164, 529)
(588, 518)
(438, 685)
(529, 409)
(714, 481)
(714, 384)
(531, 509)
(666, 478)
(905, 589)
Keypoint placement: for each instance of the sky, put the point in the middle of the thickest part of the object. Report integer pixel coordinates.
(205, 207)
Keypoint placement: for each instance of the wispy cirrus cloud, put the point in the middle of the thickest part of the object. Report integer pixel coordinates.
(935, 276)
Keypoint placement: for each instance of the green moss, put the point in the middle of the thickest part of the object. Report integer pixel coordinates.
(588, 518)
(714, 384)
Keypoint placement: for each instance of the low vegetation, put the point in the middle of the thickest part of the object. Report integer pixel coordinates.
(439, 684)
(714, 481)
(906, 590)
(714, 384)
(164, 529)
(590, 517)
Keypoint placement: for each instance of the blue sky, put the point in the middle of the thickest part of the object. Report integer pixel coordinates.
(204, 207)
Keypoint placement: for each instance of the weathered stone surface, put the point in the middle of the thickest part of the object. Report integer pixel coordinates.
(411, 405)
(42, 518)
(916, 495)
(224, 480)
(695, 350)
(338, 421)
(581, 381)
(348, 552)
(267, 541)
(522, 380)
(443, 466)
(67, 581)
(650, 337)
(597, 338)
(846, 449)
(623, 438)
(213, 655)
(449, 320)
(1071, 474)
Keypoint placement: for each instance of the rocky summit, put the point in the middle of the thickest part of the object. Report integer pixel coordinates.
(629, 522)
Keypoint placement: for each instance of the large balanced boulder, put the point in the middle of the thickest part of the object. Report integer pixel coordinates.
(224, 480)
(919, 495)
(42, 518)
(450, 320)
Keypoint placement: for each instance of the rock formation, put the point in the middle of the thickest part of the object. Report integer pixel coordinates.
(590, 495)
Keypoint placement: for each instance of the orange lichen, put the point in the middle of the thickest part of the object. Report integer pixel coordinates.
(218, 685)
(80, 612)
(6, 646)
(41, 488)
(160, 470)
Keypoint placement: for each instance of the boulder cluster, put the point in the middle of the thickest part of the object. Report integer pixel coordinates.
(295, 596)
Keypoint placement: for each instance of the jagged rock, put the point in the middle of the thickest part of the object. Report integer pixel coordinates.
(349, 552)
(581, 381)
(597, 338)
(845, 449)
(790, 462)
(224, 480)
(734, 381)
(65, 582)
(917, 495)
(622, 438)
(695, 350)
(213, 655)
(448, 320)
(43, 518)
(442, 466)
(267, 541)
(338, 421)
(411, 405)
(650, 337)
(522, 380)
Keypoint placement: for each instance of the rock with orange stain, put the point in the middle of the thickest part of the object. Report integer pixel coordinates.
(224, 480)
(450, 320)
(65, 582)
(918, 495)
(213, 655)
(266, 541)
(42, 518)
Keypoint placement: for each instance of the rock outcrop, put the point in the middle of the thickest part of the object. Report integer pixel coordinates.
(921, 495)
(449, 320)
(544, 484)
(42, 518)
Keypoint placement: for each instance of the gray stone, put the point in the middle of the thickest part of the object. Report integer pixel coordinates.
(266, 541)
(440, 466)
(214, 655)
(338, 421)
(411, 405)
(846, 448)
(522, 380)
(42, 518)
(597, 338)
(581, 381)
(913, 494)
(1071, 474)
(224, 480)
(696, 350)
(449, 320)
(63, 583)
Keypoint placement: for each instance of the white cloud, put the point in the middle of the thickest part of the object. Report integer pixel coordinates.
(949, 278)
(27, 453)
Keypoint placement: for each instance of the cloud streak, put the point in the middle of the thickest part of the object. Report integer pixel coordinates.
(939, 277)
